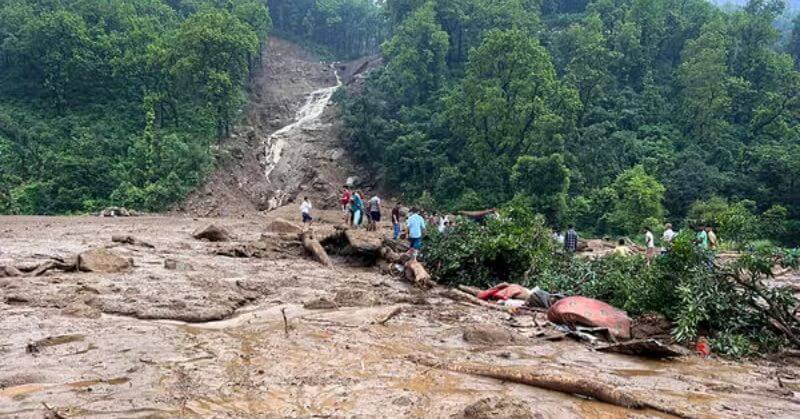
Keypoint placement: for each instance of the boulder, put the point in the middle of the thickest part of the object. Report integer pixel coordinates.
(175, 265)
(102, 261)
(281, 226)
(320, 304)
(487, 335)
(212, 233)
(585, 311)
(497, 408)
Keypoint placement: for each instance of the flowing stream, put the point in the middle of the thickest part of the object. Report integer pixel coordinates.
(310, 112)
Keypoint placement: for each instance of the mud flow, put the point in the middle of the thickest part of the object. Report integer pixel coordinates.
(206, 337)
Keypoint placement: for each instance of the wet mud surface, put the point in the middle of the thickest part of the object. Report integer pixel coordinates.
(210, 340)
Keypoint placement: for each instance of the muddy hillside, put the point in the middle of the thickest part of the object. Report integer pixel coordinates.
(288, 145)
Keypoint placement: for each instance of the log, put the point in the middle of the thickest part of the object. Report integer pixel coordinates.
(562, 382)
(458, 295)
(417, 274)
(396, 311)
(315, 248)
(133, 241)
(50, 265)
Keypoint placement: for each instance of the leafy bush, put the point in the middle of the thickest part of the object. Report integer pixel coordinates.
(504, 249)
(730, 303)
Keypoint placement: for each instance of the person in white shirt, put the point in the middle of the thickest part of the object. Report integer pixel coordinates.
(667, 237)
(444, 224)
(650, 242)
(305, 209)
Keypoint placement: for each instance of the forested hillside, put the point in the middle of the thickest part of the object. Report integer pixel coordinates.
(118, 101)
(608, 114)
(347, 28)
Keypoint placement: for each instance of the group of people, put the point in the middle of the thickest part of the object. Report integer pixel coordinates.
(358, 212)
(352, 204)
(569, 239)
(705, 238)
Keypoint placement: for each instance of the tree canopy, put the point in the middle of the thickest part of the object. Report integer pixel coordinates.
(629, 111)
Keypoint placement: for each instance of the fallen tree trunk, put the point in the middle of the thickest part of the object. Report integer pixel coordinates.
(133, 241)
(417, 274)
(53, 264)
(563, 383)
(315, 248)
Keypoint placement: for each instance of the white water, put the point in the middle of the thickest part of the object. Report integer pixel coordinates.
(310, 112)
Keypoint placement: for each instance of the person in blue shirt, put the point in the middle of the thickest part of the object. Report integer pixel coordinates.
(415, 226)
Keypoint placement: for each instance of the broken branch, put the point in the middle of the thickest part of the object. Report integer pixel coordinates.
(395, 312)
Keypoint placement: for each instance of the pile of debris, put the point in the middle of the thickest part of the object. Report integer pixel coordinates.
(604, 327)
(118, 212)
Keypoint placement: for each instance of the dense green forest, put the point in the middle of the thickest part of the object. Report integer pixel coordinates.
(344, 28)
(118, 101)
(611, 114)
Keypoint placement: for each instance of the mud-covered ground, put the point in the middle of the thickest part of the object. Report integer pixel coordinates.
(208, 339)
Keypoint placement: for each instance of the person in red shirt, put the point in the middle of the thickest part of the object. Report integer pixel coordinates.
(345, 203)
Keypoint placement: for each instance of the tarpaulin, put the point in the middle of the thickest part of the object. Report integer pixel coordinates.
(590, 312)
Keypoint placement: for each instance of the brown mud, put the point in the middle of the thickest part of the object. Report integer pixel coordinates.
(290, 99)
(211, 341)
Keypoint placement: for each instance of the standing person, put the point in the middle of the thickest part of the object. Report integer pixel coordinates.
(701, 239)
(667, 237)
(650, 243)
(622, 249)
(415, 225)
(357, 208)
(444, 224)
(345, 202)
(558, 237)
(571, 240)
(396, 216)
(712, 238)
(375, 211)
(305, 210)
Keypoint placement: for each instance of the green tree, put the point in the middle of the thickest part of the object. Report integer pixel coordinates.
(704, 83)
(545, 180)
(510, 102)
(639, 198)
(416, 56)
(209, 56)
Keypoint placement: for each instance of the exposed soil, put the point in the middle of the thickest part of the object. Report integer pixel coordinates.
(265, 165)
(210, 339)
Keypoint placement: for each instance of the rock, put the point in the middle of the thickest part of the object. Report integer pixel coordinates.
(175, 265)
(212, 233)
(487, 335)
(102, 260)
(320, 304)
(498, 407)
(281, 226)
